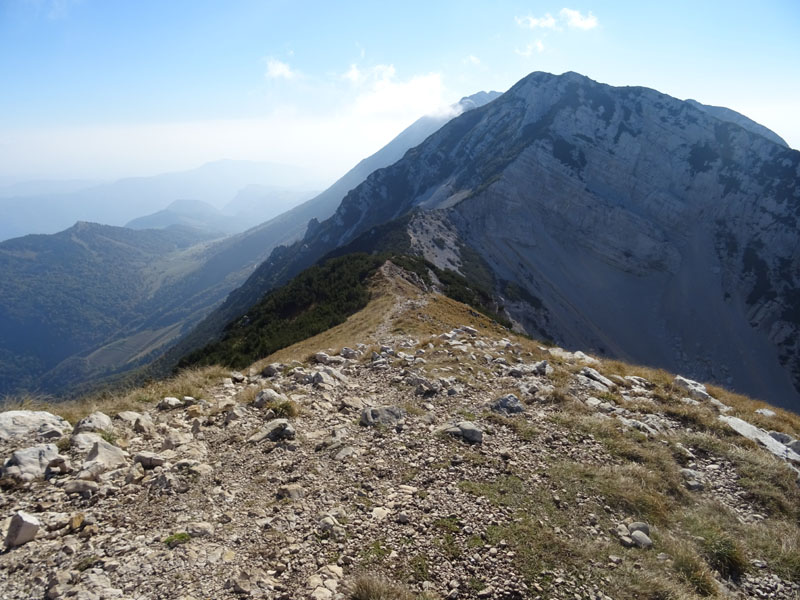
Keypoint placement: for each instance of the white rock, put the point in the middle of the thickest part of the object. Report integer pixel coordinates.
(32, 462)
(696, 391)
(23, 529)
(106, 456)
(16, 424)
(84, 442)
(760, 436)
(96, 421)
(170, 403)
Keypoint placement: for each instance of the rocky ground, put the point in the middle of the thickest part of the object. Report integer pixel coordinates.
(461, 464)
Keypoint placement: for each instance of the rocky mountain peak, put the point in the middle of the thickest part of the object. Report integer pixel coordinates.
(626, 221)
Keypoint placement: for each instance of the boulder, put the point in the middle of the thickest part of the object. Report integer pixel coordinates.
(129, 417)
(696, 391)
(97, 421)
(30, 463)
(466, 430)
(272, 370)
(275, 431)
(81, 486)
(105, 457)
(507, 405)
(760, 436)
(23, 529)
(268, 396)
(17, 424)
(170, 403)
(641, 539)
(595, 376)
(84, 442)
(383, 416)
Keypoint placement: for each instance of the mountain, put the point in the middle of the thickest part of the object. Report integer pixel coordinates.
(416, 451)
(260, 203)
(189, 213)
(169, 297)
(118, 202)
(731, 116)
(66, 296)
(617, 219)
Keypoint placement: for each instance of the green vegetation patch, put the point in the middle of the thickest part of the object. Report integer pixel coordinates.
(321, 297)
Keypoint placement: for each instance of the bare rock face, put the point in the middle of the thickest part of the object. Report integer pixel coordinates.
(642, 227)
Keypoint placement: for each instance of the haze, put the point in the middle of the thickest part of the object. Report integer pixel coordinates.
(102, 90)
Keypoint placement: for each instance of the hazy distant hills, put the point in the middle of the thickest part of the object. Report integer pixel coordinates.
(58, 336)
(616, 219)
(252, 204)
(117, 203)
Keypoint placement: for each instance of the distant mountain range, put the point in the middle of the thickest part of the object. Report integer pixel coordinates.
(617, 219)
(95, 301)
(118, 202)
(252, 204)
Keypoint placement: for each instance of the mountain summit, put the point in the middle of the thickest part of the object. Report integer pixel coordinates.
(616, 219)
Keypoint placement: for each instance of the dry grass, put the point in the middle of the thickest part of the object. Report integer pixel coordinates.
(190, 382)
(376, 587)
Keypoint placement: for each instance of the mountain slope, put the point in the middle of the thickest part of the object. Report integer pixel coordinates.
(183, 287)
(621, 219)
(68, 293)
(415, 451)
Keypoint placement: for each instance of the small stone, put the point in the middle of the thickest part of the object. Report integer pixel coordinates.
(170, 403)
(385, 416)
(76, 521)
(79, 486)
(507, 405)
(200, 529)
(639, 526)
(641, 539)
(149, 460)
(292, 491)
(23, 529)
(97, 421)
(276, 430)
(379, 513)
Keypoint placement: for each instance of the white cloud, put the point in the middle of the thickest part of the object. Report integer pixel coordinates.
(576, 20)
(537, 46)
(382, 94)
(472, 59)
(531, 22)
(353, 74)
(277, 69)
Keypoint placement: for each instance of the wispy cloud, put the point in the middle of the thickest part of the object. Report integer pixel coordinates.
(531, 22)
(537, 46)
(472, 60)
(277, 69)
(569, 17)
(576, 20)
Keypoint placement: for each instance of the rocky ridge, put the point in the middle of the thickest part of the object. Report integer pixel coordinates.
(682, 219)
(461, 461)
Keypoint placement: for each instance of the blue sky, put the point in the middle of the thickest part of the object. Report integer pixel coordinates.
(106, 88)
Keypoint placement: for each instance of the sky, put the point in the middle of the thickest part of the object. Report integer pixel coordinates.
(110, 88)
